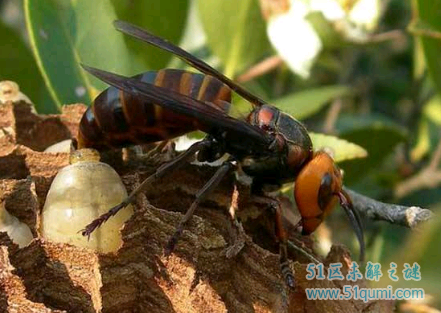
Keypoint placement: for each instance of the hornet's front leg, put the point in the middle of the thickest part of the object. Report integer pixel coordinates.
(281, 235)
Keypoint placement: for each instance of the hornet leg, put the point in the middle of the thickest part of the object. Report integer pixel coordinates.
(283, 242)
(281, 235)
(239, 236)
(165, 148)
(208, 187)
(160, 172)
(156, 150)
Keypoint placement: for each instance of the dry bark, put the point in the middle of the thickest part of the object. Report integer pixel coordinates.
(198, 277)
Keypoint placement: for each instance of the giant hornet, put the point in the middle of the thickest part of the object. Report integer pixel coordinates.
(268, 145)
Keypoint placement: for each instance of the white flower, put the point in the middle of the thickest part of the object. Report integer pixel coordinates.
(366, 14)
(295, 39)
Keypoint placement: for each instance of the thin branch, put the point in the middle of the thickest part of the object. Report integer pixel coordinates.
(424, 179)
(424, 32)
(396, 34)
(332, 116)
(392, 213)
(428, 177)
(260, 68)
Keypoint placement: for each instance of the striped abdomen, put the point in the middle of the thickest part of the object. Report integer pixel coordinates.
(118, 119)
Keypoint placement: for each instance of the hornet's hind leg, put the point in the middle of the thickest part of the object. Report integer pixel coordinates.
(208, 187)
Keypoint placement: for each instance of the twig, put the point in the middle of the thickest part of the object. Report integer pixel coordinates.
(392, 213)
(424, 32)
(332, 116)
(396, 34)
(260, 68)
(428, 177)
(424, 179)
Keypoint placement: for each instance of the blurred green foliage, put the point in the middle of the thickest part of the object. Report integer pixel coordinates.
(428, 25)
(374, 86)
(66, 33)
(307, 102)
(17, 62)
(235, 32)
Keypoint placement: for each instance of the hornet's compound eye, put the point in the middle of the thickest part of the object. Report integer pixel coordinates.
(325, 192)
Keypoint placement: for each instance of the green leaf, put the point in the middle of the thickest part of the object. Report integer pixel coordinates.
(65, 33)
(305, 103)
(422, 146)
(378, 135)
(341, 149)
(235, 32)
(428, 27)
(432, 109)
(163, 18)
(419, 62)
(18, 64)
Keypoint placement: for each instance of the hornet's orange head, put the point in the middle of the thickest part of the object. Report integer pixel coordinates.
(318, 188)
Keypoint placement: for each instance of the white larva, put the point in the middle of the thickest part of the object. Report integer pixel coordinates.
(19, 232)
(80, 193)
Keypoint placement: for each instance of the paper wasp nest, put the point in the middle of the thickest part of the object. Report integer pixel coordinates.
(80, 193)
(46, 276)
